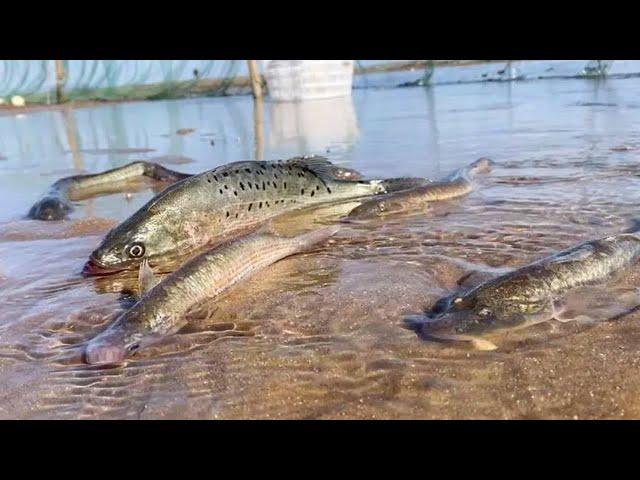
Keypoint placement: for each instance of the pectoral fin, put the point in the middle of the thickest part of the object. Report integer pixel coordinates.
(146, 278)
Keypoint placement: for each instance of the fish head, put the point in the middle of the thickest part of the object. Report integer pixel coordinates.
(49, 208)
(455, 315)
(141, 236)
(482, 165)
(111, 346)
(121, 340)
(471, 314)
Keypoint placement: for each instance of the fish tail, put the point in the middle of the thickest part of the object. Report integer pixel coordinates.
(307, 240)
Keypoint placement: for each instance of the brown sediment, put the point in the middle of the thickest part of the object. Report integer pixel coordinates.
(27, 230)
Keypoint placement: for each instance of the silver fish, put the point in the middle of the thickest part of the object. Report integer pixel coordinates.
(419, 193)
(56, 204)
(162, 308)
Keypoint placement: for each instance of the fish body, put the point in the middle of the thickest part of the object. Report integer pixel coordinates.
(218, 204)
(56, 203)
(421, 194)
(530, 294)
(162, 308)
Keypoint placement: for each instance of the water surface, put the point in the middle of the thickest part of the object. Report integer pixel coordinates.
(318, 335)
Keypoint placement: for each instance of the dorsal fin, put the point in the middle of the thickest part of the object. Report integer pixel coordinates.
(146, 278)
(322, 167)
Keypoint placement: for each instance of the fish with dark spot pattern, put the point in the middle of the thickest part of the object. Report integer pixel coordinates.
(221, 203)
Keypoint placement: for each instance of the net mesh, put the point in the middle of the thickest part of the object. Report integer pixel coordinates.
(35, 80)
(121, 80)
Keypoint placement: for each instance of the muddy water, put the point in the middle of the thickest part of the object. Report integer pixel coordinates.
(318, 335)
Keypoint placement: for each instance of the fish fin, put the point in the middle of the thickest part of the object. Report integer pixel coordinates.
(484, 345)
(474, 278)
(581, 253)
(309, 239)
(268, 228)
(322, 167)
(414, 322)
(403, 183)
(146, 278)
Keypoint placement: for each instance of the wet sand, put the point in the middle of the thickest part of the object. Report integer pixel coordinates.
(319, 335)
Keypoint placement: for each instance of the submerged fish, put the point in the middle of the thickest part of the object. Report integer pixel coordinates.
(214, 205)
(162, 308)
(526, 296)
(419, 194)
(56, 203)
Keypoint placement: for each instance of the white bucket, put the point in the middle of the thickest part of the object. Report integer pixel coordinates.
(296, 80)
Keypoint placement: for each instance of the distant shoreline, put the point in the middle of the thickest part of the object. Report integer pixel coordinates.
(418, 64)
(204, 87)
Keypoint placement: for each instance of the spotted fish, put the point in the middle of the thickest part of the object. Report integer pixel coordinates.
(215, 205)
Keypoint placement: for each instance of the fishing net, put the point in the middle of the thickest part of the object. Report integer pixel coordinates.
(121, 80)
(35, 80)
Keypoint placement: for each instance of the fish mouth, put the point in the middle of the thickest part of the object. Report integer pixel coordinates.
(93, 269)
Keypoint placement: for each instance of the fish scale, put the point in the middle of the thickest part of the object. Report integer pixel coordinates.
(230, 199)
(529, 294)
(162, 309)
(418, 195)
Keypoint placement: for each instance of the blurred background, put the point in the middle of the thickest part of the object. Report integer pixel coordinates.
(40, 81)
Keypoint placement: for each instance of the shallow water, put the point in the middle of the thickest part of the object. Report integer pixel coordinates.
(318, 335)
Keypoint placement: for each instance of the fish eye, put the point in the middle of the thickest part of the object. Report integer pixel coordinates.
(133, 347)
(136, 250)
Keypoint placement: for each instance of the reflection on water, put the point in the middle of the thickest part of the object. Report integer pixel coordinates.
(327, 126)
(258, 126)
(319, 335)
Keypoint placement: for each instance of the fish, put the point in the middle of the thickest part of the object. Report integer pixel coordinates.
(163, 305)
(57, 204)
(418, 194)
(218, 204)
(528, 295)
